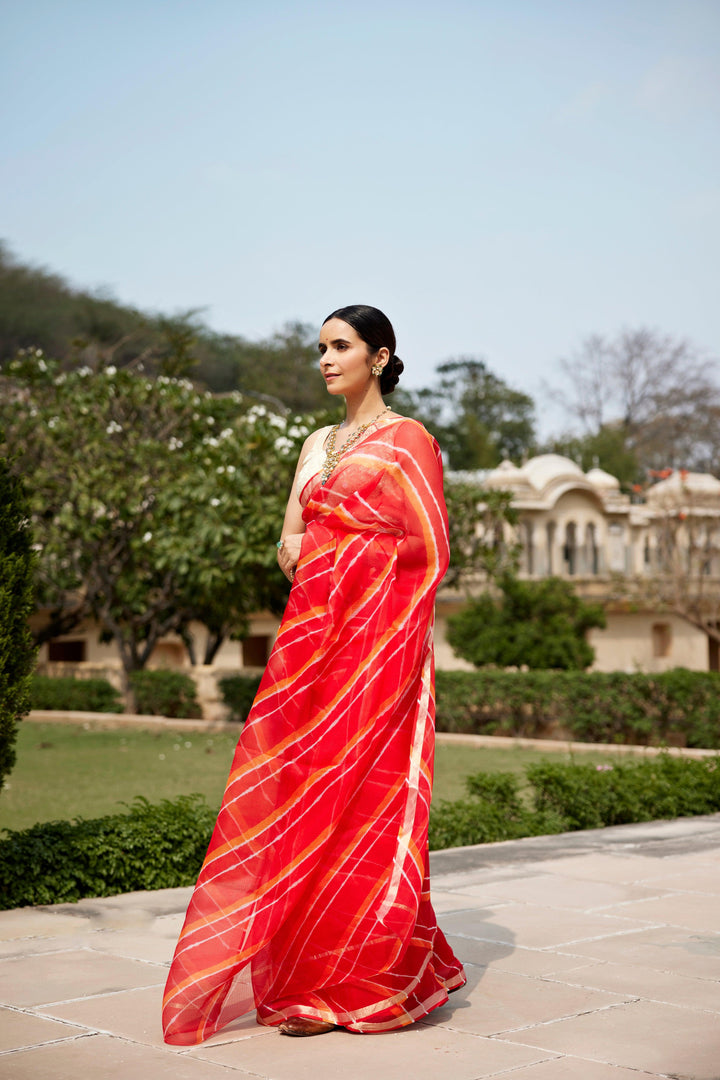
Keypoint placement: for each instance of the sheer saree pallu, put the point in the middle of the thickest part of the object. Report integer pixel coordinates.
(314, 898)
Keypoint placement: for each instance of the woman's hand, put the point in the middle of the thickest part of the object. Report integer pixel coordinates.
(289, 554)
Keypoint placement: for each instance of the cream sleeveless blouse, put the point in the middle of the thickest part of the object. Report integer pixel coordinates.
(314, 461)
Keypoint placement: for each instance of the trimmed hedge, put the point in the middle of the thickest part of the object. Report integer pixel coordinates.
(67, 693)
(150, 847)
(238, 692)
(591, 796)
(565, 798)
(165, 693)
(162, 846)
(679, 707)
(496, 812)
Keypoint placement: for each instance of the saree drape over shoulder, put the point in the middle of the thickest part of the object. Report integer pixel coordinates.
(314, 896)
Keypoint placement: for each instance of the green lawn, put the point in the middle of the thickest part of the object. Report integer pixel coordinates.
(68, 770)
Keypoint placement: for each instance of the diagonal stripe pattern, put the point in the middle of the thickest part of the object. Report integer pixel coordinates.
(314, 899)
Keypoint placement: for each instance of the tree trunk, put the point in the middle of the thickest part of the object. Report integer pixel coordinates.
(214, 641)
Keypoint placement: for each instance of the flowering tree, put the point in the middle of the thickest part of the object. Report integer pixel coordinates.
(153, 504)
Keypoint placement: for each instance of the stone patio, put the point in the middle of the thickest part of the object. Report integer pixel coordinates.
(590, 956)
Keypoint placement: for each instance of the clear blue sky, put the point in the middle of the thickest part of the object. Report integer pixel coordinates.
(502, 177)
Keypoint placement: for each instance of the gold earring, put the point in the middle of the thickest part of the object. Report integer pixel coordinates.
(376, 369)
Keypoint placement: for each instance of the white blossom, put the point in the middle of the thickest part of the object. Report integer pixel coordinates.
(226, 433)
(42, 365)
(210, 441)
(60, 379)
(147, 536)
(256, 412)
(84, 371)
(214, 502)
(175, 444)
(113, 427)
(283, 445)
(220, 469)
(276, 421)
(53, 421)
(210, 419)
(230, 469)
(111, 370)
(296, 431)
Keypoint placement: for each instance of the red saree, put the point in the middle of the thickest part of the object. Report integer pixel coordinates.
(314, 896)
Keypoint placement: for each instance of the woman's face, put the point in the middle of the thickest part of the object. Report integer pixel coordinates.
(345, 359)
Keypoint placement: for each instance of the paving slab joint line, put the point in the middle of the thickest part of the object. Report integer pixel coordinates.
(567, 1016)
(97, 997)
(623, 903)
(121, 956)
(641, 928)
(554, 977)
(517, 1068)
(47, 1042)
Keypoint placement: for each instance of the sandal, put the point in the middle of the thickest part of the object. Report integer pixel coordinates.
(303, 1025)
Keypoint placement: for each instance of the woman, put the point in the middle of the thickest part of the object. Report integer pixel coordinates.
(313, 903)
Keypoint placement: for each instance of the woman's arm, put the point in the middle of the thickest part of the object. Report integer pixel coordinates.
(293, 525)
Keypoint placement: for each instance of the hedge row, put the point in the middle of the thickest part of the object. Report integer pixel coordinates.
(677, 707)
(162, 846)
(151, 847)
(81, 695)
(565, 798)
(157, 693)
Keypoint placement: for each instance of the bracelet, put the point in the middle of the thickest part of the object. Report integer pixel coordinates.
(280, 544)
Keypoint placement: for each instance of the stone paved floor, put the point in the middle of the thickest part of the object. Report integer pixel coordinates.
(590, 956)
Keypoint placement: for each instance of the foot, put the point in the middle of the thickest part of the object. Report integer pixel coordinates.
(302, 1025)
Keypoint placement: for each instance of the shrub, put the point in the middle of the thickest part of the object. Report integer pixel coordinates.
(81, 695)
(571, 797)
(17, 652)
(165, 693)
(676, 706)
(238, 693)
(150, 847)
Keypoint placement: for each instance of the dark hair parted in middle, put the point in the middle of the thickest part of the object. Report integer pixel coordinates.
(375, 329)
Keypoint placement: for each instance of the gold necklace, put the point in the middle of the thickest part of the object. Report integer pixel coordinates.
(332, 456)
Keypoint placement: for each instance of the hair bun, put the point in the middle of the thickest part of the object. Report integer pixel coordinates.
(391, 374)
